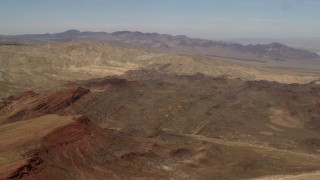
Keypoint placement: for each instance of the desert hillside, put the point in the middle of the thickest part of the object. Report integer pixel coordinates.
(46, 66)
(159, 126)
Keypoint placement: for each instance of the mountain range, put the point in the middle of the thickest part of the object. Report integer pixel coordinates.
(179, 43)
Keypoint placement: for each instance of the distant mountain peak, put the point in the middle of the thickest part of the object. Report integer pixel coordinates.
(71, 31)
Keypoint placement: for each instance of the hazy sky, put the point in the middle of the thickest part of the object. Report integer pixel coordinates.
(214, 19)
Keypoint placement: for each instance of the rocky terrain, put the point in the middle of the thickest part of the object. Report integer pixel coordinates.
(157, 125)
(28, 67)
(131, 105)
(48, 66)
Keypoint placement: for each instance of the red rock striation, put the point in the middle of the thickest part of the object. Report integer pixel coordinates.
(31, 105)
(59, 100)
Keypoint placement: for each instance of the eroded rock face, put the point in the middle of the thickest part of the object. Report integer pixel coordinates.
(60, 100)
(161, 126)
(31, 105)
(32, 167)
